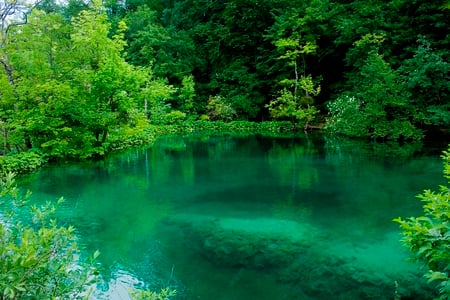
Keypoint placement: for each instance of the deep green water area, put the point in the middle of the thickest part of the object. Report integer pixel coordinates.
(248, 217)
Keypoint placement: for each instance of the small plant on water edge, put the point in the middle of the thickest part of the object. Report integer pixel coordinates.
(428, 236)
(164, 294)
(39, 258)
(21, 162)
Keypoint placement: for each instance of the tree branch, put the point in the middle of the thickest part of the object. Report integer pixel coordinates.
(8, 69)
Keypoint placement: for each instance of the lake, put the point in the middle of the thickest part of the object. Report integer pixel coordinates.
(222, 217)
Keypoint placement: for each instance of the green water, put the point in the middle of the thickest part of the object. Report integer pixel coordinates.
(248, 218)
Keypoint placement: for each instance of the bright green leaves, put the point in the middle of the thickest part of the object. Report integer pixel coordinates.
(187, 93)
(73, 89)
(310, 89)
(108, 88)
(43, 115)
(428, 236)
(40, 259)
(41, 47)
(90, 38)
(157, 96)
(294, 48)
(360, 49)
(298, 110)
(33, 108)
(164, 294)
(296, 98)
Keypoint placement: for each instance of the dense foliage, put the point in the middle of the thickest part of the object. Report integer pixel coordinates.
(81, 78)
(428, 236)
(77, 77)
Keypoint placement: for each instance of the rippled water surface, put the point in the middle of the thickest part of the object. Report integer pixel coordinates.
(248, 218)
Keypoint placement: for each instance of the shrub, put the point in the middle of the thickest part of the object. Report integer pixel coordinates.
(174, 117)
(376, 106)
(428, 236)
(346, 117)
(165, 294)
(39, 258)
(21, 162)
(219, 109)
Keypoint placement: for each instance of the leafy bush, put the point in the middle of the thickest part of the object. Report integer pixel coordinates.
(297, 109)
(376, 107)
(219, 109)
(165, 294)
(204, 118)
(187, 93)
(346, 117)
(21, 162)
(39, 258)
(425, 76)
(428, 236)
(174, 117)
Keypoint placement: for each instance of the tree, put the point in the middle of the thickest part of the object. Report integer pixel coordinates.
(169, 51)
(158, 92)
(425, 76)
(235, 54)
(107, 86)
(72, 89)
(376, 107)
(296, 98)
(40, 55)
(298, 109)
(428, 236)
(12, 13)
(187, 93)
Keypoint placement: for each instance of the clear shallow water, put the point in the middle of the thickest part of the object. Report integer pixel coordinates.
(248, 218)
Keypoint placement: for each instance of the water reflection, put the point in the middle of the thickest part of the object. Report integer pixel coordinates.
(119, 286)
(248, 218)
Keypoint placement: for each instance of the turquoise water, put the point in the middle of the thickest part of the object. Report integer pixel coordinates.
(248, 218)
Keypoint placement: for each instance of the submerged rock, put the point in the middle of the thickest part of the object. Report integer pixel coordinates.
(255, 243)
(298, 255)
(249, 243)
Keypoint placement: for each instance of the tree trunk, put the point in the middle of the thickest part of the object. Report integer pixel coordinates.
(8, 69)
(105, 135)
(28, 142)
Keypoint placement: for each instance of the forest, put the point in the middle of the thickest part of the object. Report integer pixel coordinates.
(81, 78)
(78, 76)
